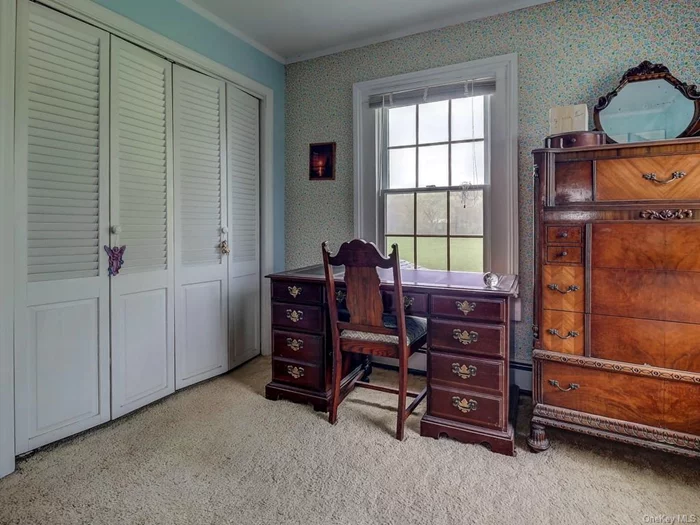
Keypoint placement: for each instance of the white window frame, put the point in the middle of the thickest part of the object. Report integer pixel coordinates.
(501, 224)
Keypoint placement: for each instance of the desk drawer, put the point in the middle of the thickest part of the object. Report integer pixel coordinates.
(468, 338)
(564, 234)
(297, 292)
(299, 375)
(298, 346)
(414, 303)
(564, 254)
(466, 372)
(468, 307)
(298, 316)
(462, 405)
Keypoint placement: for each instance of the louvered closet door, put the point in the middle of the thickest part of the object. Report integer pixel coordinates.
(142, 295)
(201, 269)
(243, 142)
(62, 161)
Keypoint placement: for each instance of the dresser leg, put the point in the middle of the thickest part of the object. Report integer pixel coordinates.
(538, 441)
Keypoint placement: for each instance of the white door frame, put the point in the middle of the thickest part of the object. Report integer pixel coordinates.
(8, 14)
(122, 27)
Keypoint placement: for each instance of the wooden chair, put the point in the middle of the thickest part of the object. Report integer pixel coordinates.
(369, 331)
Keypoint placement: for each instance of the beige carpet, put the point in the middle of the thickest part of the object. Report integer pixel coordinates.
(221, 453)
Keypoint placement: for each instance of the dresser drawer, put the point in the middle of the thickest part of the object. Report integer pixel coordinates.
(564, 254)
(298, 316)
(297, 346)
(467, 338)
(564, 234)
(563, 332)
(483, 375)
(467, 307)
(299, 375)
(470, 407)
(563, 288)
(671, 177)
(297, 292)
(414, 303)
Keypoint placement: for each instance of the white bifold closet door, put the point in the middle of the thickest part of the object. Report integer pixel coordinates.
(62, 175)
(142, 294)
(201, 225)
(243, 141)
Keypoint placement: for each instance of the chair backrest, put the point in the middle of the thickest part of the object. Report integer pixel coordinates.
(363, 295)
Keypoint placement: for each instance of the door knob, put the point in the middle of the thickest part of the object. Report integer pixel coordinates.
(116, 229)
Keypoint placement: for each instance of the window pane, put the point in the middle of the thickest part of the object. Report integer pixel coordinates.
(467, 255)
(468, 163)
(402, 126)
(402, 168)
(432, 253)
(432, 122)
(431, 213)
(399, 214)
(405, 248)
(467, 218)
(463, 127)
(432, 162)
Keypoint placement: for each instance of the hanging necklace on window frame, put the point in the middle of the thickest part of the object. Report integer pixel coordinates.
(468, 196)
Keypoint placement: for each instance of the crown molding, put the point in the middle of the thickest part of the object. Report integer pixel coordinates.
(491, 10)
(217, 20)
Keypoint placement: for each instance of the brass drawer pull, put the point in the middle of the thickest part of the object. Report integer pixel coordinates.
(572, 386)
(555, 287)
(465, 306)
(570, 335)
(295, 371)
(295, 315)
(464, 337)
(408, 302)
(340, 296)
(294, 291)
(463, 405)
(676, 175)
(295, 344)
(463, 371)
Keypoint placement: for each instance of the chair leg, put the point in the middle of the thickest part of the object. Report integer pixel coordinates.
(403, 389)
(337, 378)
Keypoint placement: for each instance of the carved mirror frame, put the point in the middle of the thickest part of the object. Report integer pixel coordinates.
(648, 71)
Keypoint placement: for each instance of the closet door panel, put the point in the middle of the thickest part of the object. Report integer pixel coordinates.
(201, 266)
(62, 200)
(243, 142)
(142, 295)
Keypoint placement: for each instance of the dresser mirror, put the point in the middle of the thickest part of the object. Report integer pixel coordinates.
(648, 104)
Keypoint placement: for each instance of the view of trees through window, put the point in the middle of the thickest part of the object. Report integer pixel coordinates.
(432, 151)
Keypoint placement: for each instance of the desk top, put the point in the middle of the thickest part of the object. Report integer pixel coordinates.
(428, 279)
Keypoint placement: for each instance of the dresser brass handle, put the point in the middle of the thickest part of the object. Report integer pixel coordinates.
(572, 386)
(570, 335)
(463, 405)
(463, 371)
(295, 344)
(464, 337)
(340, 296)
(295, 315)
(465, 307)
(563, 235)
(407, 302)
(294, 291)
(555, 287)
(295, 371)
(676, 175)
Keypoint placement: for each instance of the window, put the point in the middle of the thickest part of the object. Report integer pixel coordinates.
(435, 165)
(433, 177)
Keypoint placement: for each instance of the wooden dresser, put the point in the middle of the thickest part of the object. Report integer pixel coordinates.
(617, 294)
(468, 347)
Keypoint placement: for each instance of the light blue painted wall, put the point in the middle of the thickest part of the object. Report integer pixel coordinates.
(176, 22)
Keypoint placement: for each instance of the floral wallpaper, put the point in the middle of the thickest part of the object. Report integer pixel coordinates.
(569, 52)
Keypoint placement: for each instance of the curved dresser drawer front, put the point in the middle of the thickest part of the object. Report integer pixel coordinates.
(563, 288)
(467, 338)
(468, 307)
(470, 407)
(298, 316)
(301, 375)
(466, 372)
(297, 345)
(563, 332)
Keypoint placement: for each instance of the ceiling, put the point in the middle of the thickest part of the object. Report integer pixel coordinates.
(294, 30)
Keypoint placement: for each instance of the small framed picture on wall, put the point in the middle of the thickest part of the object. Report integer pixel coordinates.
(322, 161)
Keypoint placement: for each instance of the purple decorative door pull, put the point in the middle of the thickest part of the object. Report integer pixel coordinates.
(116, 259)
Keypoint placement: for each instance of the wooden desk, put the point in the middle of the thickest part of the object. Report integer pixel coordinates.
(468, 347)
